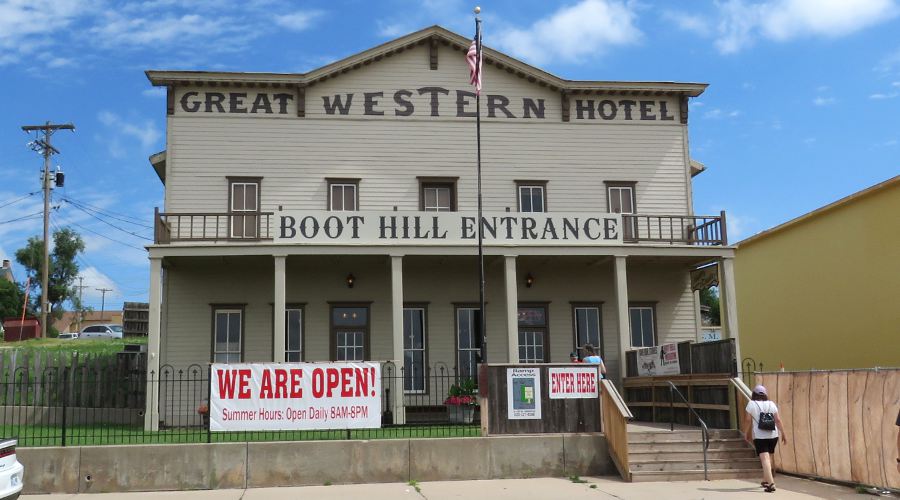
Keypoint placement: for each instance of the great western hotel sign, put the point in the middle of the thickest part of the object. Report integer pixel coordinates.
(446, 228)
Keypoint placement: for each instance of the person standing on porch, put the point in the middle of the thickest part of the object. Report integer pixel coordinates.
(593, 357)
(763, 427)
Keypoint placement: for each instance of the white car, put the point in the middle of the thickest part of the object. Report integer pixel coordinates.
(67, 336)
(109, 331)
(11, 471)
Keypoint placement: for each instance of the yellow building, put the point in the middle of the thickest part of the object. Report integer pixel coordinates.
(822, 291)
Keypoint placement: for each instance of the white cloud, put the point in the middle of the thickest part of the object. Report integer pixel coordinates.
(298, 21)
(742, 22)
(26, 25)
(144, 131)
(154, 92)
(739, 225)
(573, 33)
(689, 22)
(718, 113)
(823, 101)
(809, 140)
(879, 95)
(94, 279)
(60, 62)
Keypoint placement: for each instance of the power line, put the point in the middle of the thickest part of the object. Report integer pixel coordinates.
(110, 224)
(104, 210)
(68, 222)
(34, 215)
(19, 199)
(85, 206)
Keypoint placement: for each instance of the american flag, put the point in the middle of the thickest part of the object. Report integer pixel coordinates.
(473, 57)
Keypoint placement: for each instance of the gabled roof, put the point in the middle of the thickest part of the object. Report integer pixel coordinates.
(847, 200)
(430, 35)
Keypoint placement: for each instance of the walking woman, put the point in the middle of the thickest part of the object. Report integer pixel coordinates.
(763, 427)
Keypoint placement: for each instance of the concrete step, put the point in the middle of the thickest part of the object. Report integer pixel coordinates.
(696, 465)
(664, 436)
(647, 476)
(714, 445)
(652, 456)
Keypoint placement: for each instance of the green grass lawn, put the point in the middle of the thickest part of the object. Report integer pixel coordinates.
(87, 346)
(30, 436)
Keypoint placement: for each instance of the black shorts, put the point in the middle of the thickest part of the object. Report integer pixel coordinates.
(765, 445)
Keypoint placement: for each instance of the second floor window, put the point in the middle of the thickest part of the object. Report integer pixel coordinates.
(244, 206)
(532, 197)
(437, 194)
(342, 195)
(621, 200)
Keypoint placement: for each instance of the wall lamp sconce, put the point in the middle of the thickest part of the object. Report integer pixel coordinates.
(351, 280)
(529, 280)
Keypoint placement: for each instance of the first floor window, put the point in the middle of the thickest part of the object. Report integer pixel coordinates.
(293, 335)
(532, 334)
(414, 349)
(643, 329)
(349, 332)
(468, 342)
(587, 327)
(227, 330)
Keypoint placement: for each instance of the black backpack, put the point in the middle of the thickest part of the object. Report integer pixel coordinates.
(766, 420)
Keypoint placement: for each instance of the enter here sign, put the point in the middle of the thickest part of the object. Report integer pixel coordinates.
(574, 383)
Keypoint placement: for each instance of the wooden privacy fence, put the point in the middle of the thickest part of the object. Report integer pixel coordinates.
(840, 425)
(695, 358)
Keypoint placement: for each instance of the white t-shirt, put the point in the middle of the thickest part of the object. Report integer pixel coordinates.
(754, 408)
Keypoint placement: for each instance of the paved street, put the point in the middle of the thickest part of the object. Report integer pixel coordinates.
(511, 489)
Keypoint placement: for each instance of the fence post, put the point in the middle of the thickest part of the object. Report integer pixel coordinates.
(65, 402)
(209, 405)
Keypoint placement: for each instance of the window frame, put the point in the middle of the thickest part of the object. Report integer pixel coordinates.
(545, 327)
(215, 308)
(233, 181)
(432, 182)
(340, 181)
(629, 230)
(456, 349)
(531, 184)
(333, 330)
(287, 307)
(643, 305)
(426, 372)
(588, 305)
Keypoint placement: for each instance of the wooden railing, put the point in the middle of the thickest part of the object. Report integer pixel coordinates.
(703, 230)
(615, 416)
(707, 393)
(237, 226)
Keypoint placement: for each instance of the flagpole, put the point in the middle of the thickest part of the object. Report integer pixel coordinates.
(478, 49)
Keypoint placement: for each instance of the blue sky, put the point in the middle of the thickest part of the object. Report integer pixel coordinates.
(803, 106)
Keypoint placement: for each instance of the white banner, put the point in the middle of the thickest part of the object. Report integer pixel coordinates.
(523, 390)
(574, 383)
(659, 360)
(293, 396)
(445, 228)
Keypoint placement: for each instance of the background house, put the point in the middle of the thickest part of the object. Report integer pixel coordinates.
(69, 320)
(822, 291)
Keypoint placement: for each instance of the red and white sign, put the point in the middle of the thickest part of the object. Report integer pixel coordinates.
(292, 396)
(574, 383)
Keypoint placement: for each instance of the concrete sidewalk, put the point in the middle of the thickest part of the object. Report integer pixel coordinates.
(508, 489)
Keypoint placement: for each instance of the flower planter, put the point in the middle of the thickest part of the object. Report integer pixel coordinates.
(460, 414)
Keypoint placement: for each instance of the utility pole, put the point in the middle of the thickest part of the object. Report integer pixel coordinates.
(43, 146)
(103, 300)
(80, 288)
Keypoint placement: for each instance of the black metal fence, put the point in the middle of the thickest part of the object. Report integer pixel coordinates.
(63, 406)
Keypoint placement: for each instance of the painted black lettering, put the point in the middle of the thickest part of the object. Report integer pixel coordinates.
(528, 225)
(342, 106)
(489, 226)
(417, 233)
(190, 107)
(236, 102)
(496, 102)
(333, 227)
(282, 100)
(370, 102)
(354, 221)
(509, 221)
(664, 112)
(530, 106)
(435, 230)
(383, 226)
(549, 228)
(587, 228)
(434, 91)
(214, 99)
(462, 100)
(468, 228)
(627, 104)
(287, 226)
(405, 227)
(313, 230)
(612, 109)
(262, 103)
(647, 111)
(582, 106)
(610, 229)
(570, 227)
(401, 97)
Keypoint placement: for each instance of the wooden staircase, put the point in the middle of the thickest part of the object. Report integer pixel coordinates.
(678, 456)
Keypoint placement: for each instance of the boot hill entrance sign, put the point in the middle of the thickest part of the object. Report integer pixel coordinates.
(446, 228)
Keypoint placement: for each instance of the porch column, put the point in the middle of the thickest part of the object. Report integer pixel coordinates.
(397, 335)
(151, 411)
(728, 304)
(512, 309)
(621, 302)
(278, 346)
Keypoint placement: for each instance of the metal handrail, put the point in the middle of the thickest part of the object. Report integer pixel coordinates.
(703, 427)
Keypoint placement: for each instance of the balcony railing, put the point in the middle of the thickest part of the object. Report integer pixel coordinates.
(236, 226)
(697, 230)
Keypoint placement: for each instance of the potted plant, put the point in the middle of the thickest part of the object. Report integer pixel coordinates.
(461, 402)
(203, 411)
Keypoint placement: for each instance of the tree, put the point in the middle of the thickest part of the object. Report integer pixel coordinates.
(710, 297)
(67, 244)
(11, 295)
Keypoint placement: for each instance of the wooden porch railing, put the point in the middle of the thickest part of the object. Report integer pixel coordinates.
(615, 416)
(207, 226)
(703, 230)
